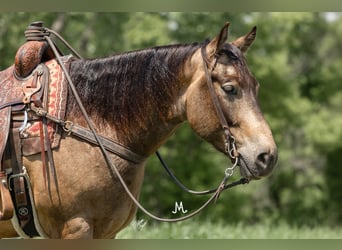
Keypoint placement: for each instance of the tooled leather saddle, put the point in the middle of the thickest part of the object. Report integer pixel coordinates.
(35, 80)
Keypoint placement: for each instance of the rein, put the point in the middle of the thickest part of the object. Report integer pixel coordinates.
(41, 33)
(194, 192)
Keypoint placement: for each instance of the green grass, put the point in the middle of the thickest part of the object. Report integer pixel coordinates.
(208, 230)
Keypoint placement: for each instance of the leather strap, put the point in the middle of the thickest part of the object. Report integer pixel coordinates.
(18, 182)
(88, 135)
(229, 138)
(213, 95)
(43, 156)
(10, 104)
(109, 145)
(50, 168)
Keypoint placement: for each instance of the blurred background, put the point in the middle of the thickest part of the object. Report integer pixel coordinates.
(297, 59)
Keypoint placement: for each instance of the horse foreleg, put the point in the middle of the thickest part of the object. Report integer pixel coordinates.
(77, 228)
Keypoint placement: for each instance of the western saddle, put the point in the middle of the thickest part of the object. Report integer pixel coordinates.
(24, 88)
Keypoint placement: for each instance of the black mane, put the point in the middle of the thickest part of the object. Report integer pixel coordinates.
(129, 89)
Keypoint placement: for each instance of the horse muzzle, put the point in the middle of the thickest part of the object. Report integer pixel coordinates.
(258, 165)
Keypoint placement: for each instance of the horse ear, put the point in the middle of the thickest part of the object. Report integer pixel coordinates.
(244, 42)
(217, 43)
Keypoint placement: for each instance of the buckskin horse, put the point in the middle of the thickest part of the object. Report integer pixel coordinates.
(137, 100)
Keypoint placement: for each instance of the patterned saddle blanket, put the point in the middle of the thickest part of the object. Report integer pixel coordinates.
(56, 107)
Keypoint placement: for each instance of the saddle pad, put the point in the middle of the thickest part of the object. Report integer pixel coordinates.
(57, 99)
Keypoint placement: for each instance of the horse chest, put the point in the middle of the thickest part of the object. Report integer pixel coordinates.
(87, 189)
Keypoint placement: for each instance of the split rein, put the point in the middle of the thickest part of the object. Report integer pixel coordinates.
(36, 32)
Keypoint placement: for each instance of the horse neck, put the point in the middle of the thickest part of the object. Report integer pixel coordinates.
(139, 99)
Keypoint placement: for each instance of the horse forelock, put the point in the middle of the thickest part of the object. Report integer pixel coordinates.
(130, 89)
(245, 78)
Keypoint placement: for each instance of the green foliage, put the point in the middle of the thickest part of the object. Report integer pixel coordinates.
(143, 31)
(297, 60)
(334, 185)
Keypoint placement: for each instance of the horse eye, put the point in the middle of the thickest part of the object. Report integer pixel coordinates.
(232, 56)
(229, 89)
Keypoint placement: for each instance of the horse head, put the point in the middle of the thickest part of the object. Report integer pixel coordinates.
(236, 91)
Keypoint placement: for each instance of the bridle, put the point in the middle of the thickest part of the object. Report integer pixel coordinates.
(230, 147)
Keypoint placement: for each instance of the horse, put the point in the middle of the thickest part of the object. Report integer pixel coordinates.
(138, 99)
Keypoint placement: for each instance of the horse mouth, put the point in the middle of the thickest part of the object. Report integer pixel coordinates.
(246, 171)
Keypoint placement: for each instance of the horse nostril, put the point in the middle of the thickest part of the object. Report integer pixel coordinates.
(265, 162)
(263, 158)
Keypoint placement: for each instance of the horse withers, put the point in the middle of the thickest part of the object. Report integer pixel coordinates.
(138, 99)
